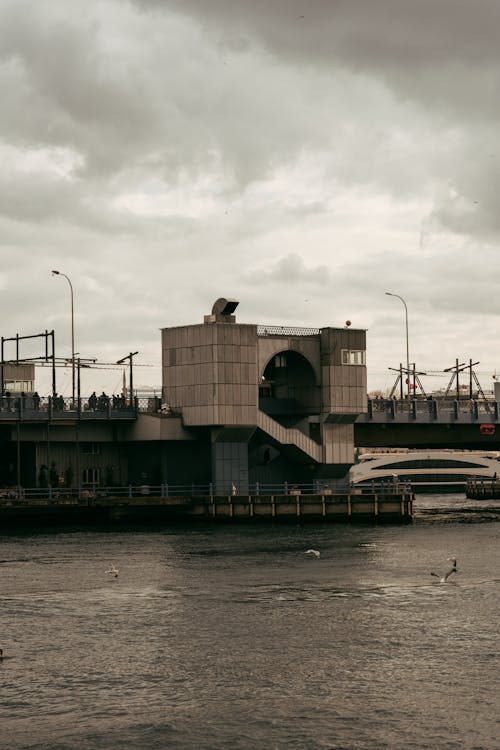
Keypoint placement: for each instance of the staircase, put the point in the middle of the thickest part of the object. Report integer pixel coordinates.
(290, 436)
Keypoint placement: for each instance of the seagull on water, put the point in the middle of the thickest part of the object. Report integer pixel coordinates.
(313, 552)
(449, 572)
(113, 571)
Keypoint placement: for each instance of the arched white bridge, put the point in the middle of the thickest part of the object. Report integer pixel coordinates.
(426, 467)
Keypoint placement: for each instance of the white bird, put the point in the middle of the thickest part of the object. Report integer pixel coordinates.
(313, 552)
(453, 569)
(113, 571)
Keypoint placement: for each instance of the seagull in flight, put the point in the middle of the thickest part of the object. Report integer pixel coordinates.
(313, 552)
(449, 572)
(113, 571)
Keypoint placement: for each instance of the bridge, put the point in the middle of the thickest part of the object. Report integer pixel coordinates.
(429, 423)
(388, 423)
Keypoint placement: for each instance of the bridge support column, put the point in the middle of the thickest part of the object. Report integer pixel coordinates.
(338, 443)
(230, 460)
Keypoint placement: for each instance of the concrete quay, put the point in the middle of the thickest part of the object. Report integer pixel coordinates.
(366, 507)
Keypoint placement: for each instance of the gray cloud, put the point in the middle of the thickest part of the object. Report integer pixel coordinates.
(164, 154)
(441, 56)
(385, 32)
(291, 269)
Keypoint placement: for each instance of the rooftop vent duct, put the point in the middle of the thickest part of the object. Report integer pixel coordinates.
(222, 311)
(224, 306)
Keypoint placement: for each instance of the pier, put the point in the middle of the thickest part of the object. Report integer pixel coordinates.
(480, 489)
(143, 505)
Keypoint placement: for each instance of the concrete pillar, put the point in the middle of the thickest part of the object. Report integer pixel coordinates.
(230, 468)
(338, 443)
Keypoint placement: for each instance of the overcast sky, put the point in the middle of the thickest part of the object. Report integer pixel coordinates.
(302, 157)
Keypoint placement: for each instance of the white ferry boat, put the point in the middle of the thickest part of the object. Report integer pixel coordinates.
(426, 471)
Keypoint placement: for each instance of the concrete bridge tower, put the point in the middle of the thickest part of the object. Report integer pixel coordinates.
(276, 403)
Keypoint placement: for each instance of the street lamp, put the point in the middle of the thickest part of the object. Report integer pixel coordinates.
(58, 273)
(407, 346)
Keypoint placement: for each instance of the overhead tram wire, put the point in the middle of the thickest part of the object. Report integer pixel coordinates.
(96, 366)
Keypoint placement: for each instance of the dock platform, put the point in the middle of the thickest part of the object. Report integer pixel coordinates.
(397, 507)
(483, 489)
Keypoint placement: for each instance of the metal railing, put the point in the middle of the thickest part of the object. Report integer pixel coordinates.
(475, 482)
(483, 489)
(19, 495)
(60, 407)
(263, 330)
(431, 408)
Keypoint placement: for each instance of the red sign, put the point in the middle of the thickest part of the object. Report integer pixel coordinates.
(487, 429)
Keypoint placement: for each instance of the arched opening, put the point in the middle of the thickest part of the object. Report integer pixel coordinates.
(288, 391)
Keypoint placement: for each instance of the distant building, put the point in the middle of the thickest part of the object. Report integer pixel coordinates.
(17, 378)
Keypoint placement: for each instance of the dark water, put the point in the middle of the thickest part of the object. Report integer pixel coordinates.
(231, 637)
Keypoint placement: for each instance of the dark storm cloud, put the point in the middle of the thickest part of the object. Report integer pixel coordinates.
(372, 32)
(79, 90)
(441, 55)
(124, 90)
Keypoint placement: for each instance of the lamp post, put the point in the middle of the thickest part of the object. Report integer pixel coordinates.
(390, 294)
(58, 273)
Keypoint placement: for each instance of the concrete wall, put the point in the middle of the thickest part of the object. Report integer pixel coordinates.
(210, 373)
(169, 462)
(338, 443)
(308, 346)
(230, 468)
(343, 385)
(158, 427)
(109, 459)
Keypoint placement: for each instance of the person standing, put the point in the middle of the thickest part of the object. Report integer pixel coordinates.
(53, 475)
(42, 476)
(68, 477)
